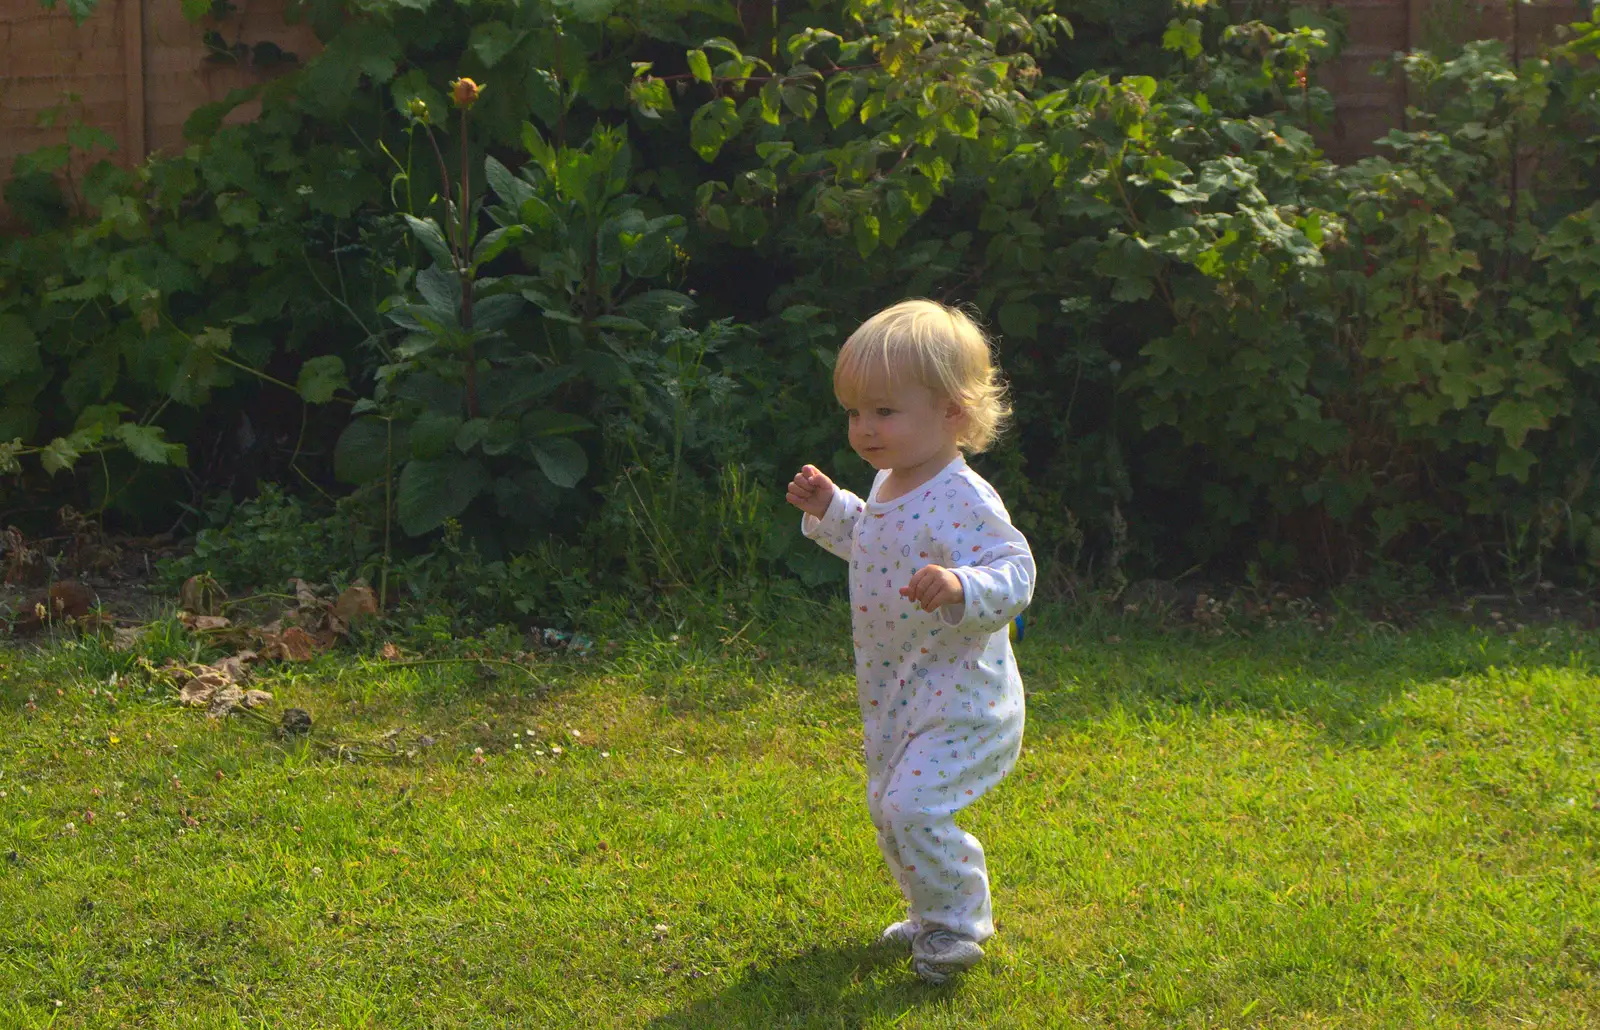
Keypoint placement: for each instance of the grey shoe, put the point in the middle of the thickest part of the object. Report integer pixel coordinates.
(937, 955)
(903, 932)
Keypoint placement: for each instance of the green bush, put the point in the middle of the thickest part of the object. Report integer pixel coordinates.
(595, 315)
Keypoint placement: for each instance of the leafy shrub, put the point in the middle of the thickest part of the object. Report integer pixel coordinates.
(263, 542)
(596, 316)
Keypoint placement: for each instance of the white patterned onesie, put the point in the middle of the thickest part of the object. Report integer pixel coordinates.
(940, 695)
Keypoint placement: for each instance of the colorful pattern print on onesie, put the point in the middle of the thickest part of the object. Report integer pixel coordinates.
(941, 700)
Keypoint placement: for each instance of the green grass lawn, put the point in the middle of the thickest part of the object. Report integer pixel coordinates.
(1344, 828)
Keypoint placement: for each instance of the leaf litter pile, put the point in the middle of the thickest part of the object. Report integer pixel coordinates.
(316, 623)
(68, 592)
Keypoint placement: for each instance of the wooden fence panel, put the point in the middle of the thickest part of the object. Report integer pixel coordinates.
(137, 66)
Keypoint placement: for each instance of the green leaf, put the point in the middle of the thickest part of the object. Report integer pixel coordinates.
(441, 290)
(553, 423)
(471, 434)
(711, 126)
(801, 101)
(1517, 418)
(841, 100)
(149, 443)
(432, 434)
(589, 10)
(432, 491)
(362, 453)
(561, 460)
(19, 348)
(699, 66)
(796, 314)
(619, 323)
(1144, 85)
(499, 437)
(963, 121)
(771, 103)
(1020, 319)
(866, 234)
(59, 455)
(495, 312)
(493, 40)
(1183, 36)
(322, 377)
(427, 232)
(492, 245)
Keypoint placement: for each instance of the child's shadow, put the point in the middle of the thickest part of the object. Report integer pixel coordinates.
(846, 986)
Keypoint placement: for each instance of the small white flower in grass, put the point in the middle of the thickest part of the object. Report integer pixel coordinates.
(519, 747)
(316, 870)
(576, 734)
(539, 752)
(555, 749)
(605, 754)
(528, 732)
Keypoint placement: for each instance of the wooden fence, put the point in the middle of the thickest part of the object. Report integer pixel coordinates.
(139, 68)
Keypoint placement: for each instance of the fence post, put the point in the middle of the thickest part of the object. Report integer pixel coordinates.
(135, 144)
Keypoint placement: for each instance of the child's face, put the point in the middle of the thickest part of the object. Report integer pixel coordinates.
(901, 425)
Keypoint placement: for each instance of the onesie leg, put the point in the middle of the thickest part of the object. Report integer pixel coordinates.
(940, 866)
(906, 929)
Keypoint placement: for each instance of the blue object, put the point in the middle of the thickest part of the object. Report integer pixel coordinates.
(1016, 630)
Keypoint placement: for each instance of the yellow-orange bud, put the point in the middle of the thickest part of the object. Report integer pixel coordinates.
(464, 92)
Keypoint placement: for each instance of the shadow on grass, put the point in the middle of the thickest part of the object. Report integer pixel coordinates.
(853, 985)
(1342, 679)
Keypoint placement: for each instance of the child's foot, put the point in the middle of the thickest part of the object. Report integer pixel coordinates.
(937, 955)
(903, 932)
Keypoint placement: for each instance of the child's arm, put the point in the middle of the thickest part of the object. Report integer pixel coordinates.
(991, 575)
(831, 512)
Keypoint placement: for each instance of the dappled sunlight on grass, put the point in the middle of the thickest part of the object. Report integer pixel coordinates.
(1345, 827)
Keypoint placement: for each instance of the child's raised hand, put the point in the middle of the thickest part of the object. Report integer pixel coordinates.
(933, 587)
(811, 491)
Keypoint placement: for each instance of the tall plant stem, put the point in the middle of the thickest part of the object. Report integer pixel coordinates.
(464, 270)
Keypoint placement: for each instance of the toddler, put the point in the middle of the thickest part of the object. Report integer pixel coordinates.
(937, 573)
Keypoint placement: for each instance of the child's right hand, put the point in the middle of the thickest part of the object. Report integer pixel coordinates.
(811, 491)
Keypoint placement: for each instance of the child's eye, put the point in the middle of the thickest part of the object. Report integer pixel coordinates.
(885, 412)
(851, 413)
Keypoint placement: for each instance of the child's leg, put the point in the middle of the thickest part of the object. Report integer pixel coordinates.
(940, 866)
(904, 930)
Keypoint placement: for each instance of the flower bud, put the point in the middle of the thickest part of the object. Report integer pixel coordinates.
(418, 109)
(464, 92)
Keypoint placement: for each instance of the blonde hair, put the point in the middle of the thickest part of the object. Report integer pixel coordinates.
(934, 346)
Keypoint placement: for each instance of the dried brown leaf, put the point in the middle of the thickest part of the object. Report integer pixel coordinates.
(225, 700)
(126, 638)
(293, 645)
(355, 604)
(202, 595)
(235, 667)
(201, 689)
(305, 594)
(203, 623)
(256, 698)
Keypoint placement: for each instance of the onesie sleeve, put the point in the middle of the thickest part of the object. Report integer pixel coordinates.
(992, 559)
(836, 530)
